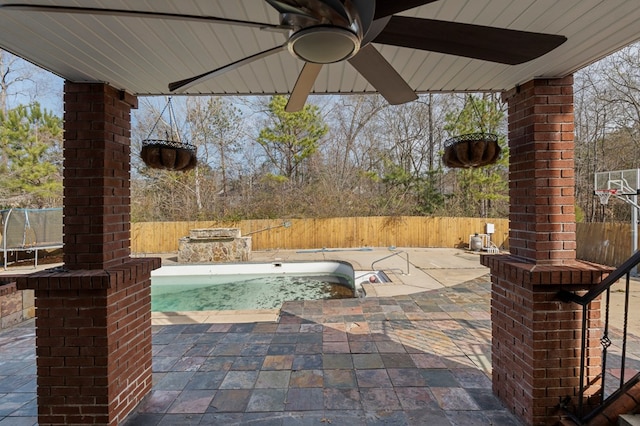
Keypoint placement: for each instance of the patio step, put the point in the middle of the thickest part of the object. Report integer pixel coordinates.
(629, 420)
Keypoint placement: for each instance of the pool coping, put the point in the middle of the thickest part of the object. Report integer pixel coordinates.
(215, 317)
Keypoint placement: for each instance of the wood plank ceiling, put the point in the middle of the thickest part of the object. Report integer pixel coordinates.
(142, 55)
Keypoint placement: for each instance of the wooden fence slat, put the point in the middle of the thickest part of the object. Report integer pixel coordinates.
(604, 243)
(401, 231)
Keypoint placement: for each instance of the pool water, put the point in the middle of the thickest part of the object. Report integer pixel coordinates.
(265, 292)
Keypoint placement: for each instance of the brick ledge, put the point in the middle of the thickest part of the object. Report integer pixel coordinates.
(574, 272)
(88, 279)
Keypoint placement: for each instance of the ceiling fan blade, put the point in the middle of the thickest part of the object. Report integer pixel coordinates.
(471, 41)
(335, 5)
(366, 10)
(189, 82)
(381, 75)
(305, 6)
(137, 14)
(284, 6)
(332, 11)
(298, 20)
(391, 7)
(328, 11)
(375, 29)
(303, 87)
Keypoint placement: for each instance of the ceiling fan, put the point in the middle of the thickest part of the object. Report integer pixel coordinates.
(322, 32)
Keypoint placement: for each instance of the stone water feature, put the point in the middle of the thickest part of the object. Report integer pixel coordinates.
(217, 245)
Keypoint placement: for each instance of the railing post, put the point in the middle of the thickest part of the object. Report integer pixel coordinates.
(605, 407)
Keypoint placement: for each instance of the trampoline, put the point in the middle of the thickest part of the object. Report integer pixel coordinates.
(30, 230)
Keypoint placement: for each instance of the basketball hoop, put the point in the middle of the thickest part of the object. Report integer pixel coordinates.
(605, 194)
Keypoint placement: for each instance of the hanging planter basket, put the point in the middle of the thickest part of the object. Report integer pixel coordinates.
(168, 155)
(471, 150)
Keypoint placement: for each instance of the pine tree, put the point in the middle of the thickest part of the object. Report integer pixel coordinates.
(30, 146)
(290, 139)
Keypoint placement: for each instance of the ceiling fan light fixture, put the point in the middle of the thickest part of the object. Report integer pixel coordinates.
(324, 45)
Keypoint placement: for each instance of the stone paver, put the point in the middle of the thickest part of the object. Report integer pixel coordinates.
(359, 362)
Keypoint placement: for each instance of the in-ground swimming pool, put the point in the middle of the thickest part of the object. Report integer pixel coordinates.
(246, 286)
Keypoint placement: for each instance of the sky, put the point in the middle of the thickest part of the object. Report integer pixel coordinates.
(42, 86)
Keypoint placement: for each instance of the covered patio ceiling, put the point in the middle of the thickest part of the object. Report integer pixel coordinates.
(143, 54)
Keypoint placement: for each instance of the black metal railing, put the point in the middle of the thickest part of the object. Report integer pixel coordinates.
(397, 253)
(596, 393)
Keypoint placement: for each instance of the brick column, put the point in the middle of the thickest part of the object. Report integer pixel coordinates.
(535, 337)
(93, 317)
(97, 220)
(541, 171)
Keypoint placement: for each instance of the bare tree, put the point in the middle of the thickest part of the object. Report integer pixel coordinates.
(24, 83)
(607, 126)
(591, 116)
(352, 150)
(215, 128)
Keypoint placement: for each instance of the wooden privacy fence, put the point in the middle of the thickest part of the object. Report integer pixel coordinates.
(345, 232)
(604, 243)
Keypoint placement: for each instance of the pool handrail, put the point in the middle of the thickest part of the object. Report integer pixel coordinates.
(397, 253)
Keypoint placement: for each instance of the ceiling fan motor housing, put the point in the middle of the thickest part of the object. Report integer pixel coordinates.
(324, 44)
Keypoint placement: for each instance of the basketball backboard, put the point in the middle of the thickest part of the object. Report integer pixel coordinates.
(624, 182)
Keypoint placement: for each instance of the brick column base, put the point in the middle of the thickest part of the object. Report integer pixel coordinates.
(93, 342)
(536, 338)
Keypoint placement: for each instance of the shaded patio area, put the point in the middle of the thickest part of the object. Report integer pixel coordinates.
(418, 353)
(415, 359)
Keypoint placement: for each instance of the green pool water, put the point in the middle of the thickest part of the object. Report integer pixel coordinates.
(246, 294)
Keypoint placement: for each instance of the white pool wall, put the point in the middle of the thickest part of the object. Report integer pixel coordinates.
(230, 272)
